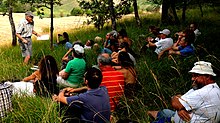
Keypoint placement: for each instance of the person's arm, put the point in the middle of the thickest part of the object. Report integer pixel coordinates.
(35, 33)
(60, 98)
(151, 44)
(174, 52)
(162, 52)
(33, 76)
(76, 90)
(22, 39)
(182, 112)
(64, 74)
(65, 57)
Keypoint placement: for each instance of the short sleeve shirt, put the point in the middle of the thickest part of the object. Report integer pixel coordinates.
(93, 101)
(163, 44)
(76, 69)
(203, 104)
(186, 51)
(24, 28)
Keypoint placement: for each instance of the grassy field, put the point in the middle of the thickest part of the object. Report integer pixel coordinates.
(158, 79)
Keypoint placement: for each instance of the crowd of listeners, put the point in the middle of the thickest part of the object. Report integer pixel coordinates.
(91, 94)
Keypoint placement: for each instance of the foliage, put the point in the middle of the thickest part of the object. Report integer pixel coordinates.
(99, 11)
(76, 12)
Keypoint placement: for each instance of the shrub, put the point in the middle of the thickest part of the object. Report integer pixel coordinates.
(76, 12)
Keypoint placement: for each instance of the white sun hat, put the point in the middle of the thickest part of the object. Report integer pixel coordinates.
(78, 48)
(165, 31)
(202, 67)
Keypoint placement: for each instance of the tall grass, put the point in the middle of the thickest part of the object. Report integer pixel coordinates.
(158, 79)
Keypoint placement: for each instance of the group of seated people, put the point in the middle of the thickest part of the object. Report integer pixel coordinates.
(92, 94)
(162, 42)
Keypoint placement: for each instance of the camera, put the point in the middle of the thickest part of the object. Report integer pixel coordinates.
(59, 35)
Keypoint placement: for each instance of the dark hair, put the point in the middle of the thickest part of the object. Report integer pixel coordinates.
(189, 36)
(123, 33)
(94, 77)
(49, 71)
(66, 36)
(125, 60)
(124, 45)
(91, 42)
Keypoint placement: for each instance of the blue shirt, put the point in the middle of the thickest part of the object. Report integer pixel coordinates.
(93, 102)
(186, 51)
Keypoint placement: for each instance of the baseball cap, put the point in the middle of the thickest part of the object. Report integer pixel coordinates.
(29, 13)
(165, 31)
(78, 48)
(202, 67)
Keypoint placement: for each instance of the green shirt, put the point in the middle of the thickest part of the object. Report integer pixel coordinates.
(76, 69)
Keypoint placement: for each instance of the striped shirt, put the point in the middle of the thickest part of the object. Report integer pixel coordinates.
(114, 82)
(24, 28)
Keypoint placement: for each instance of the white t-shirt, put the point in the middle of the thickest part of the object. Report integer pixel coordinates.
(163, 44)
(204, 104)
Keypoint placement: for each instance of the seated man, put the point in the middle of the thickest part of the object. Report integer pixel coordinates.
(92, 105)
(163, 43)
(72, 75)
(112, 79)
(184, 49)
(200, 104)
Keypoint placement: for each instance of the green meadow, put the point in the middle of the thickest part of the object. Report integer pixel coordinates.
(158, 79)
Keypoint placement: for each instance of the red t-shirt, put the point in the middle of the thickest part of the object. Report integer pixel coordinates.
(114, 82)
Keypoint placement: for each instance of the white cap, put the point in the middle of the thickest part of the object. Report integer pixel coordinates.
(202, 67)
(29, 13)
(78, 48)
(165, 31)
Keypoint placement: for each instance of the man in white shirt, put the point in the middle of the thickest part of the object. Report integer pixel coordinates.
(163, 43)
(200, 104)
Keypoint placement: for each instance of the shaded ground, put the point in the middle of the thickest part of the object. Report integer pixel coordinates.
(60, 24)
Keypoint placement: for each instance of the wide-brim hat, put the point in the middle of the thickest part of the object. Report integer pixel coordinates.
(202, 67)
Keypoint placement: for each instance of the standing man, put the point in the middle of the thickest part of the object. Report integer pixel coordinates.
(201, 104)
(24, 32)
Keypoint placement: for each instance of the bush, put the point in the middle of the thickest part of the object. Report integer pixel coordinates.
(76, 12)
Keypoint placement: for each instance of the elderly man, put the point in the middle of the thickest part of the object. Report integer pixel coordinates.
(112, 79)
(200, 104)
(24, 32)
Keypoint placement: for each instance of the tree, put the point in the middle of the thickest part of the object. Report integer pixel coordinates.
(138, 21)
(101, 11)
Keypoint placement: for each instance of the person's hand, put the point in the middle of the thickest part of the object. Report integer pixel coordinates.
(184, 115)
(25, 41)
(55, 98)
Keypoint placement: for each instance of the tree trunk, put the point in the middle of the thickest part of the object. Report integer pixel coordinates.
(111, 8)
(14, 41)
(184, 11)
(173, 7)
(138, 21)
(164, 15)
(51, 25)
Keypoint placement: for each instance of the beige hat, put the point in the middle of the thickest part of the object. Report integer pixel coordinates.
(165, 31)
(202, 67)
(29, 13)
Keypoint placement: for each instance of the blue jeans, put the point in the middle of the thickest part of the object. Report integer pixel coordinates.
(164, 116)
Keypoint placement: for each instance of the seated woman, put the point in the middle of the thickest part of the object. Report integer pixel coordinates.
(89, 44)
(72, 75)
(123, 37)
(123, 47)
(127, 68)
(65, 40)
(44, 78)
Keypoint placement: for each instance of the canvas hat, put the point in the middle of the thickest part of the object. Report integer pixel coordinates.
(202, 67)
(78, 48)
(114, 33)
(29, 13)
(165, 31)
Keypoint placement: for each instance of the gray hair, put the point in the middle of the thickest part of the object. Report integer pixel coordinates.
(104, 60)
